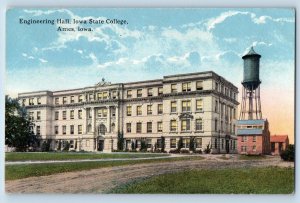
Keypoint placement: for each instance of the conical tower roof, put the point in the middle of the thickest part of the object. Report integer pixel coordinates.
(251, 53)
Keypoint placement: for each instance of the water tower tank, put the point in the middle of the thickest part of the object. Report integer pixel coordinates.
(251, 70)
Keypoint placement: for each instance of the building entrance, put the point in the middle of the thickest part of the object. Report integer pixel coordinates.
(100, 145)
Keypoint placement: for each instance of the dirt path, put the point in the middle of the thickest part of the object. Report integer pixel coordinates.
(104, 179)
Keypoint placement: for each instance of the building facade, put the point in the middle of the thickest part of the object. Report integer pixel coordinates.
(279, 143)
(253, 137)
(196, 109)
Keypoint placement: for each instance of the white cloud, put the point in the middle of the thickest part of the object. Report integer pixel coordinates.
(211, 23)
(43, 60)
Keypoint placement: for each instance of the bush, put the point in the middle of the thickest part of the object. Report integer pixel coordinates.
(198, 151)
(46, 146)
(184, 151)
(207, 150)
(174, 151)
(67, 146)
(288, 154)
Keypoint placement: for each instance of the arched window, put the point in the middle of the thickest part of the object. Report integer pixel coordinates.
(102, 129)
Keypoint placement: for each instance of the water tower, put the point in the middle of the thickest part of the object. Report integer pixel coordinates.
(251, 105)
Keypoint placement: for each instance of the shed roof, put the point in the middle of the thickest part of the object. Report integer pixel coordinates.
(279, 138)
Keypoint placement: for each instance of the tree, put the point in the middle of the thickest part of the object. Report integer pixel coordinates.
(288, 154)
(192, 144)
(180, 144)
(162, 144)
(18, 128)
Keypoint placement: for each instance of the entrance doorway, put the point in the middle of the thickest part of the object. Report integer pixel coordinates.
(100, 145)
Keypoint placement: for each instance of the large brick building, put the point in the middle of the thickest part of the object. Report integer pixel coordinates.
(253, 137)
(202, 106)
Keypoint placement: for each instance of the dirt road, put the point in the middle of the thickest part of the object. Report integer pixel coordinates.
(104, 179)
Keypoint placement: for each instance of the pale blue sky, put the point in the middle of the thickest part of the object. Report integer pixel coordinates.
(155, 42)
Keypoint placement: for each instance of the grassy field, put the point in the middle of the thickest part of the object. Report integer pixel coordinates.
(270, 180)
(36, 156)
(13, 172)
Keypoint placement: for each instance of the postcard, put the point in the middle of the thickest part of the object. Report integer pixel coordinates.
(150, 100)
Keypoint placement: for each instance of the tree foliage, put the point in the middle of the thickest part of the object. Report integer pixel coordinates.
(18, 131)
(288, 154)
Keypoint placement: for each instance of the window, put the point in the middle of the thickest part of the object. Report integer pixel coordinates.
(114, 94)
(139, 93)
(38, 100)
(38, 130)
(31, 102)
(38, 115)
(173, 88)
(99, 95)
(89, 112)
(64, 129)
(128, 110)
(159, 109)
(160, 91)
(159, 143)
(64, 100)
(150, 92)
(71, 143)
(244, 148)
(186, 106)
(173, 142)
(105, 95)
(56, 129)
(89, 128)
(216, 124)
(128, 127)
(254, 148)
(159, 126)
(216, 106)
(244, 139)
(185, 125)
(199, 124)
(113, 112)
(129, 93)
(254, 138)
(139, 110)
(80, 98)
(72, 99)
(186, 142)
(222, 143)
(198, 142)
(149, 127)
(186, 87)
(233, 145)
(102, 112)
(149, 144)
(199, 105)
(64, 115)
(79, 114)
(91, 97)
(149, 109)
(71, 129)
(173, 106)
(173, 125)
(56, 115)
(199, 85)
(80, 129)
(72, 114)
(23, 102)
(216, 86)
(216, 143)
(139, 127)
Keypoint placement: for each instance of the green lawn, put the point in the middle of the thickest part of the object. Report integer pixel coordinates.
(271, 180)
(13, 172)
(36, 156)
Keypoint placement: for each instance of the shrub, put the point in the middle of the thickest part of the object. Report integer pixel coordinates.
(207, 150)
(192, 144)
(180, 144)
(120, 144)
(67, 146)
(288, 154)
(198, 151)
(174, 151)
(184, 151)
(46, 146)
